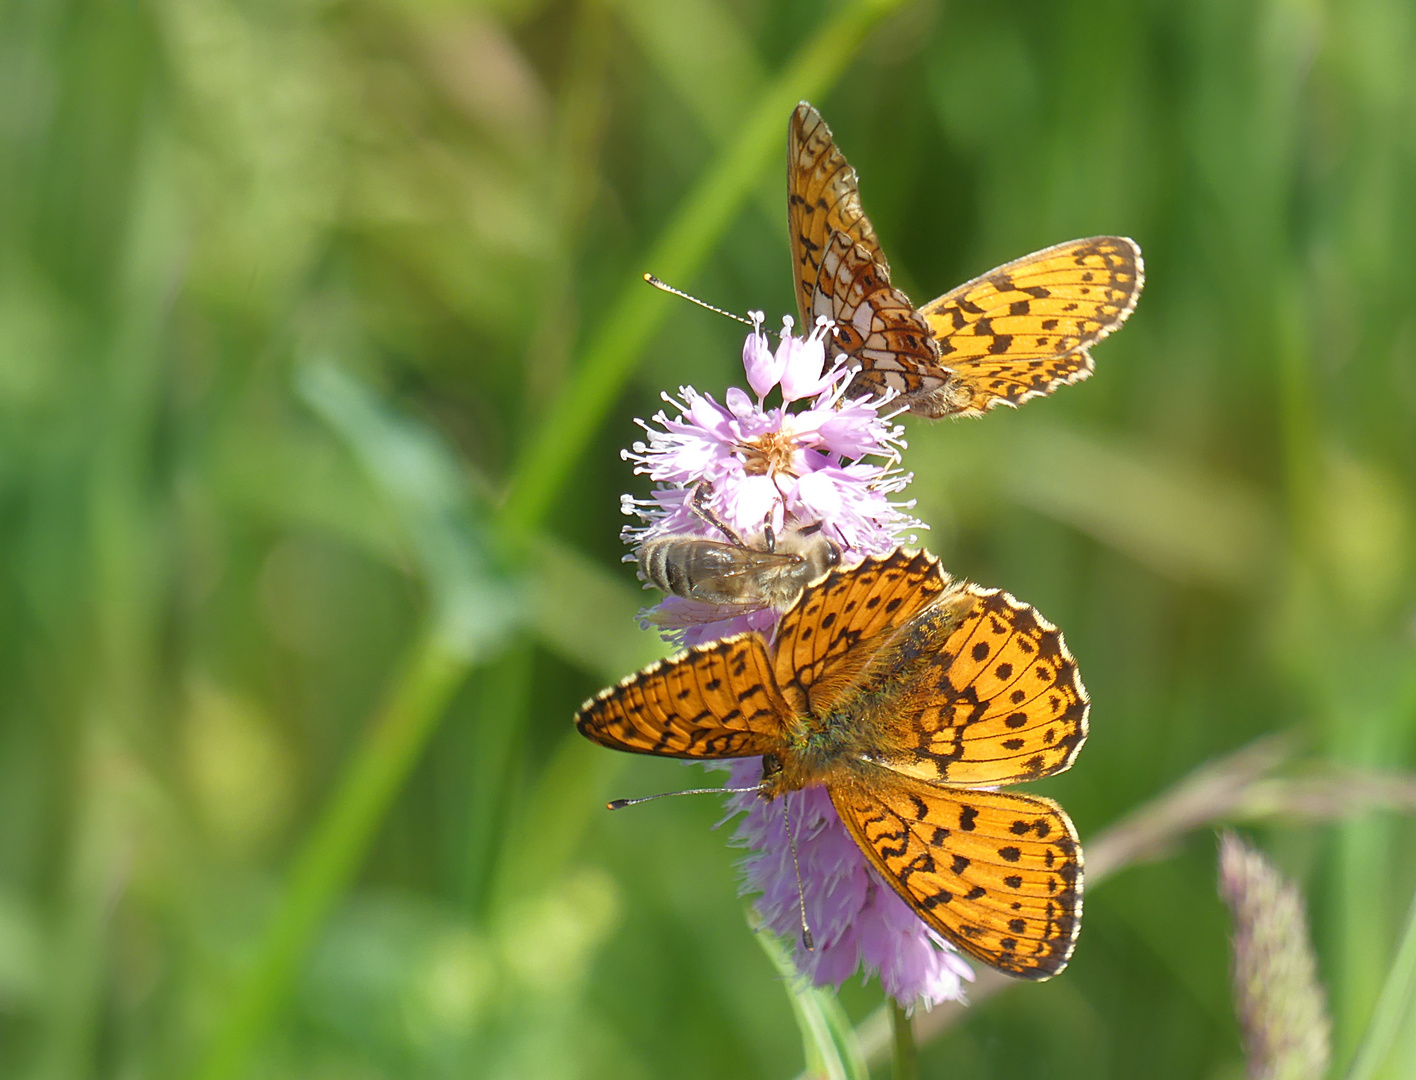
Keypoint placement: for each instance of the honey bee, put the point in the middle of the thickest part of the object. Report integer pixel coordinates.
(736, 574)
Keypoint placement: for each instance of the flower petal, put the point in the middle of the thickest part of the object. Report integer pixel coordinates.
(801, 367)
(739, 404)
(820, 493)
(764, 368)
(753, 502)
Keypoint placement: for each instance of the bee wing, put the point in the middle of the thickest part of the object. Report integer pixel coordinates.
(722, 574)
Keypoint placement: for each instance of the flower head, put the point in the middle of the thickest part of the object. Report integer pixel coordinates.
(832, 461)
(817, 458)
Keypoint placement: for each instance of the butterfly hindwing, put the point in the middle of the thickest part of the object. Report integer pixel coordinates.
(1023, 329)
(994, 695)
(712, 701)
(874, 323)
(997, 874)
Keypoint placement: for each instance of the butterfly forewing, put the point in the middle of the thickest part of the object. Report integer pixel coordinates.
(874, 323)
(1022, 330)
(822, 198)
(828, 639)
(713, 701)
(998, 874)
(996, 698)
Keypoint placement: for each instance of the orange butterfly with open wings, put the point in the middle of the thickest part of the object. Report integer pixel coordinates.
(909, 696)
(1017, 332)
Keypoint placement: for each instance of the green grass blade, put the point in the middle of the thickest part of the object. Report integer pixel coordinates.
(587, 615)
(472, 609)
(420, 477)
(341, 836)
(638, 311)
(1394, 1010)
(828, 1039)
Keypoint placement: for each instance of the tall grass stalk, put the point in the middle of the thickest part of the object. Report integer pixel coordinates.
(1396, 1007)
(428, 677)
(125, 544)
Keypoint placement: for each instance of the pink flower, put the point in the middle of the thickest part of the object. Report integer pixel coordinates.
(830, 461)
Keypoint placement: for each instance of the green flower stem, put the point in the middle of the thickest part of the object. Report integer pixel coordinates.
(1394, 1007)
(829, 1044)
(638, 311)
(905, 1055)
(428, 678)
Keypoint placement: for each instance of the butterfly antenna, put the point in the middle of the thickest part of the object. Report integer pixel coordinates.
(694, 300)
(620, 804)
(806, 938)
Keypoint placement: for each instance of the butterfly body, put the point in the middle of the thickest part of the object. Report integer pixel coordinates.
(826, 749)
(858, 726)
(902, 692)
(1015, 333)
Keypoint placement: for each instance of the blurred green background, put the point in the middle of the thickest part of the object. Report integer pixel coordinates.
(320, 332)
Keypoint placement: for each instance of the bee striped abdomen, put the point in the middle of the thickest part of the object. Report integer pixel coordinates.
(690, 568)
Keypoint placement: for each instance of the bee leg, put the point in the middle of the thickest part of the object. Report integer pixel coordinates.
(701, 508)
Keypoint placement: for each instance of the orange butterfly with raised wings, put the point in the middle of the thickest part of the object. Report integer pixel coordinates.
(909, 696)
(1017, 332)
